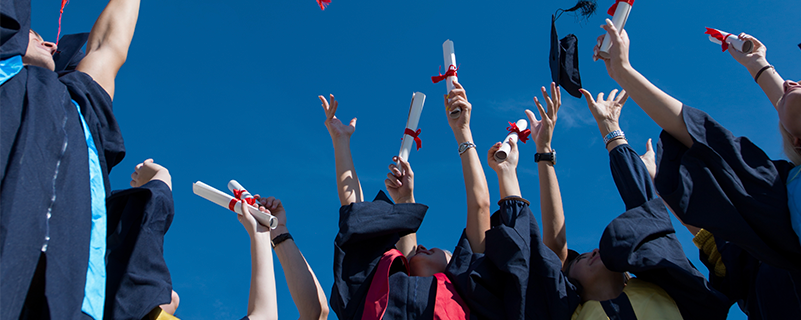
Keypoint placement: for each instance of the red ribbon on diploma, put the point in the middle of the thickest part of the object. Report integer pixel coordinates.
(451, 73)
(238, 198)
(323, 3)
(522, 135)
(612, 9)
(715, 33)
(416, 137)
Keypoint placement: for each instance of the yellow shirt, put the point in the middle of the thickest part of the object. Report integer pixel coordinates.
(158, 314)
(648, 300)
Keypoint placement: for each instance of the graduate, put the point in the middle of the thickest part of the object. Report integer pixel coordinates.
(138, 283)
(58, 141)
(517, 276)
(641, 241)
(714, 180)
(380, 272)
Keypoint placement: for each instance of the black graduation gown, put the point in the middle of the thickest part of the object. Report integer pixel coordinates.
(761, 290)
(517, 276)
(137, 277)
(642, 241)
(366, 231)
(44, 170)
(728, 186)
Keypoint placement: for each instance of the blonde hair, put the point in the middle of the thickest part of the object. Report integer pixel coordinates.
(793, 153)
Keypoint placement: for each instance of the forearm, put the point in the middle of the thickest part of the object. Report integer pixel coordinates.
(478, 203)
(769, 80)
(508, 183)
(407, 244)
(665, 110)
(348, 186)
(262, 302)
(303, 286)
(553, 215)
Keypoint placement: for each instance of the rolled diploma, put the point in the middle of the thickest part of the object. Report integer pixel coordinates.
(415, 110)
(503, 152)
(233, 184)
(744, 46)
(619, 20)
(209, 193)
(449, 56)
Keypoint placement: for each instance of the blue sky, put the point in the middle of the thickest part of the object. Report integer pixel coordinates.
(220, 90)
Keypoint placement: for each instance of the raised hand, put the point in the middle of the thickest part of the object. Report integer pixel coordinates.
(542, 130)
(618, 53)
(606, 112)
(457, 99)
(400, 184)
(649, 159)
(510, 164)
(149, 170)
(335, 127)
(252, 226)
(754, 60)
(275, 207)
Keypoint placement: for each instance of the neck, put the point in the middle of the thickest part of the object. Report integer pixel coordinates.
(606, 289)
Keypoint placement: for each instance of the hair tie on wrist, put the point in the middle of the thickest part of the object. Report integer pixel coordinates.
(756, 77)
(280, 238)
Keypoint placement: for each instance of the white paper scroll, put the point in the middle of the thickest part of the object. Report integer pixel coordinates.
(234, 185)
(503, 152)
(744, 46)
(449, 56)
(224, 200)
(619, 20)
(415, 110)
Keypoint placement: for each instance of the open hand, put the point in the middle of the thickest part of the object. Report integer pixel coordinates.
(542, 130)
(400, 183)
(606, 112)
(335, 127)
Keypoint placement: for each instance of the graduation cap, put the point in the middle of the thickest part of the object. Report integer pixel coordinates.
(563, 58)
(70, 51)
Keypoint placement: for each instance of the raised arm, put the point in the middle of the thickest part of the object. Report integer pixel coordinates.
(506, 170)
(262, 301)
(478, 203)
(554, 234)
(769, 79)
(665, 110)
(107, 47)
(306, 292)
(400, 185)
(348, 186)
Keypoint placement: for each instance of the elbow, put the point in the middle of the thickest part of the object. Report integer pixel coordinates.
(323, 312)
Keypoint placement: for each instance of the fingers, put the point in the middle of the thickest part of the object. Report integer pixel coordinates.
(353, 123)
(543, 114)
(612, 31)
(587, 96)
(548, 101)
(611, 96)
(624, 96)
(532, 119)
(600, 97)
(334, 104)
(392, 181)
(456, 84)
(492, 150)
(407, 168)
(325, 103)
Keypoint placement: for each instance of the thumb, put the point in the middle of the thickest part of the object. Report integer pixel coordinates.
(612, 30)
(353, 123)
(649, 147)
(587, 95)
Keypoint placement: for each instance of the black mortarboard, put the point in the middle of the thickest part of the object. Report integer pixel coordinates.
(15, 23)
(563, 58)
(70, 51)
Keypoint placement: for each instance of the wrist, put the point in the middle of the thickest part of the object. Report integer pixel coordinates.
(607, 126)
(408, 199)
(544, 148)
(463, 135)
(279, 230)
(755, 65)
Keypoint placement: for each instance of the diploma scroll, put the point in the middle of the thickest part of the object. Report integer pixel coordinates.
(415, 110)
(725, 39)
(622, 10)
(226, 201)
(449, 56)
(243, 194)
(503, 152)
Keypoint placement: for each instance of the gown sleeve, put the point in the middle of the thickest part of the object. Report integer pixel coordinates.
(138, 279)
(517, 277)
(728, 186)
(366, 231)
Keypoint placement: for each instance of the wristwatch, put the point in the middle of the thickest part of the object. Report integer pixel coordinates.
(464, 146)
(550, 156)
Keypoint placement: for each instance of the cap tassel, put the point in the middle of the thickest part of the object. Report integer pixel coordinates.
(322, 3)
(61, 13)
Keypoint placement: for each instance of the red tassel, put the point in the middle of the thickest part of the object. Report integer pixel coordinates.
(451, 73)
(61, 13)
(323, 3)
(521, 135)
(612, 9)
(415, 135)
(717, 35)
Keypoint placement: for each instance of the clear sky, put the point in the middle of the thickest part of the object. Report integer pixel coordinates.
(220, 90)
